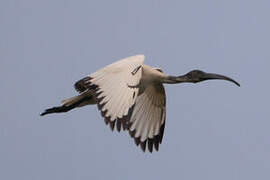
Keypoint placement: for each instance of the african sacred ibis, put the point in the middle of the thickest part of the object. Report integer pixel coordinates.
(131, 95)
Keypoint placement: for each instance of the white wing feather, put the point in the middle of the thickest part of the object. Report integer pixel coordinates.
(116, 89)
(148, 118)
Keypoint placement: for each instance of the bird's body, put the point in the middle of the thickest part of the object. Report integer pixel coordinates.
(131, 95)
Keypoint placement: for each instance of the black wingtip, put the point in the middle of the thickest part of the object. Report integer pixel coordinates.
(143, 145)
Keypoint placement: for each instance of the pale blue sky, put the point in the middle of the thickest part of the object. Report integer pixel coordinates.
(214, 130)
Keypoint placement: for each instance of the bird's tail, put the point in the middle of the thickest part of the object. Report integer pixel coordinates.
(69, 104)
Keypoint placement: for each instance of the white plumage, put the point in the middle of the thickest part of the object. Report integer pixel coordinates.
(118, 87)
(131, 95)
(113, 82)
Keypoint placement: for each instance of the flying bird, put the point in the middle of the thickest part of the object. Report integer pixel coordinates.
(130, 95)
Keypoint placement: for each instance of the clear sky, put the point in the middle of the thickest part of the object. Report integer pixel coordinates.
(214, 130)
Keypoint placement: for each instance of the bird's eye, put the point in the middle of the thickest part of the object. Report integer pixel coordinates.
(190, 75)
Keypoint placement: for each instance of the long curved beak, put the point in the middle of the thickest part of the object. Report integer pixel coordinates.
(210, 76)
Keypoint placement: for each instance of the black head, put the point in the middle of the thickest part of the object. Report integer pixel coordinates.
(196, 76)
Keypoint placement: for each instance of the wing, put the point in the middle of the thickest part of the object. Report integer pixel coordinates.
(147, 122)
(115, 89)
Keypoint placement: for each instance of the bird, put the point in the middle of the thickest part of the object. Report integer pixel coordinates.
(131, 96)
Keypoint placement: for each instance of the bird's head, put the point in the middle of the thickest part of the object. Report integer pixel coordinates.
(196, 76)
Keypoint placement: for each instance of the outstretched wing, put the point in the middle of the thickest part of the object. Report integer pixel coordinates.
(115, 88)
(147, 122)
